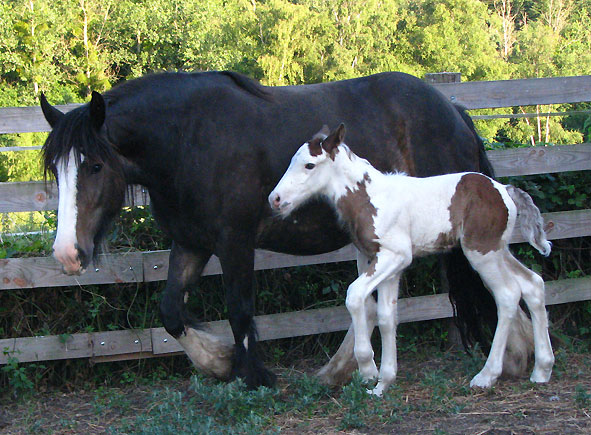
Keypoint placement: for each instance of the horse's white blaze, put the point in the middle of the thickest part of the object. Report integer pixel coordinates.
(64, 247)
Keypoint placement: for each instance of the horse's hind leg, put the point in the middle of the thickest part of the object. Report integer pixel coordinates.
(341, 366)
(532, 291)
(495, 273)
(212, 355)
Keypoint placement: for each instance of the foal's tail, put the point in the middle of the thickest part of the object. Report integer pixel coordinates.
(530, 220)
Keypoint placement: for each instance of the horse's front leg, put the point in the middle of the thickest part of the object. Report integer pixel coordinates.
(341, 366)
(235, 249)
(210, 354)
(385, 265)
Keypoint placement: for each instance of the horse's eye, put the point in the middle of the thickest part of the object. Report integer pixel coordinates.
(96, 168)
(310, 166)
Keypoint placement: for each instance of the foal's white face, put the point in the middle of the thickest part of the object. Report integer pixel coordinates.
(308, 175)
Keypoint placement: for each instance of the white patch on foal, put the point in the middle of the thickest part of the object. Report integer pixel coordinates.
(64, 247)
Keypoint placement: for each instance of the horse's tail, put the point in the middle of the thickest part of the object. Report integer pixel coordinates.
(530, 220)
(484, 164)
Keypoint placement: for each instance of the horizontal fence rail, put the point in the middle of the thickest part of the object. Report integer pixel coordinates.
(39, 196)
(146, 343)
(28, 273)
(21, 273)
(472, 95)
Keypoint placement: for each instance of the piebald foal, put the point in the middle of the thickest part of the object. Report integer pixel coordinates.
(393, 217)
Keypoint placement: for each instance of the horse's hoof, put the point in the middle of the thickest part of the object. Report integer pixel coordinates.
(210, 354)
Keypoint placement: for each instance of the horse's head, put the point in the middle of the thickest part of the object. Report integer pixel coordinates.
(309, 172)
(91, 184)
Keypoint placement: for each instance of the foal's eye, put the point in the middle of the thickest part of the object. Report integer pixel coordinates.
(96, 168)
(310, 166)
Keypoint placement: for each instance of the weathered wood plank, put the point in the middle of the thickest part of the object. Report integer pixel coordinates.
(121, 345)
(19, 273)
(54, 347)
(522, 92)
(156, 263)
(121, 342)
(473, 95)
(38, 196)
(26, 119)
(27, 196)
(540, 159)
(153, 266)
(33, 196)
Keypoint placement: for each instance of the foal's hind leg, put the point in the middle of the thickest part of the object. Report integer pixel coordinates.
(532, 291)
(341, 366)
(493, 270)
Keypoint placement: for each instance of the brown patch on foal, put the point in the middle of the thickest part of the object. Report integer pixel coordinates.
(356, 209)
(478, 210)
(315, 146)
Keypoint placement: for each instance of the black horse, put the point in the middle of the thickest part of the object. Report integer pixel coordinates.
(209, 147)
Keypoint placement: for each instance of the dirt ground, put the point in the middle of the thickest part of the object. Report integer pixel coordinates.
(431, 397)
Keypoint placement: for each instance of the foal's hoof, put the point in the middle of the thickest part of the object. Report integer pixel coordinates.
(540, 376)
(482, 381)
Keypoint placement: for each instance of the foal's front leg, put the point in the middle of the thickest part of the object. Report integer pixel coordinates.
(387, 322)
(341, 366)
(384, 266)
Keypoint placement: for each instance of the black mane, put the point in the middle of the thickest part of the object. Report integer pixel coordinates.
(75, 131)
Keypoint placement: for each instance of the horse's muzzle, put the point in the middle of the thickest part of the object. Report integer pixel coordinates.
(71, 258)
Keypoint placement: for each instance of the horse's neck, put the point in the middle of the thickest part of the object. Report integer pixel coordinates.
(352, 173)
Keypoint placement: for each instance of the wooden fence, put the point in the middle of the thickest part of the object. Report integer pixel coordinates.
(23, 273)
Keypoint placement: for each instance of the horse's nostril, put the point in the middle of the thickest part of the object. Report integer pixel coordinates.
(276, 201)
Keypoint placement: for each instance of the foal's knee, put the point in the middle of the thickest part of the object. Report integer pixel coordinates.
(355, 300)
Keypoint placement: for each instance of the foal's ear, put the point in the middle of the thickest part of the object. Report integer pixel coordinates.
(334, 139)
(97, 110)
(52, 115)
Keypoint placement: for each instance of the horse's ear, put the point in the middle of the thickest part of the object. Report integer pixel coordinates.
(97, 110)
(52, 115)
(340, 133)
(334, 139)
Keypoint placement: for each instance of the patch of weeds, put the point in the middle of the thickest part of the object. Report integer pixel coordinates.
(306, 393)
(208, 408)
(582, 397)
(22, 379)
(393, 407)
(358, 405)
(441, 393)
(110, 399)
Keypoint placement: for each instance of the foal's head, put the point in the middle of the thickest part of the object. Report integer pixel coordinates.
(91, 183)
(310, 171)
